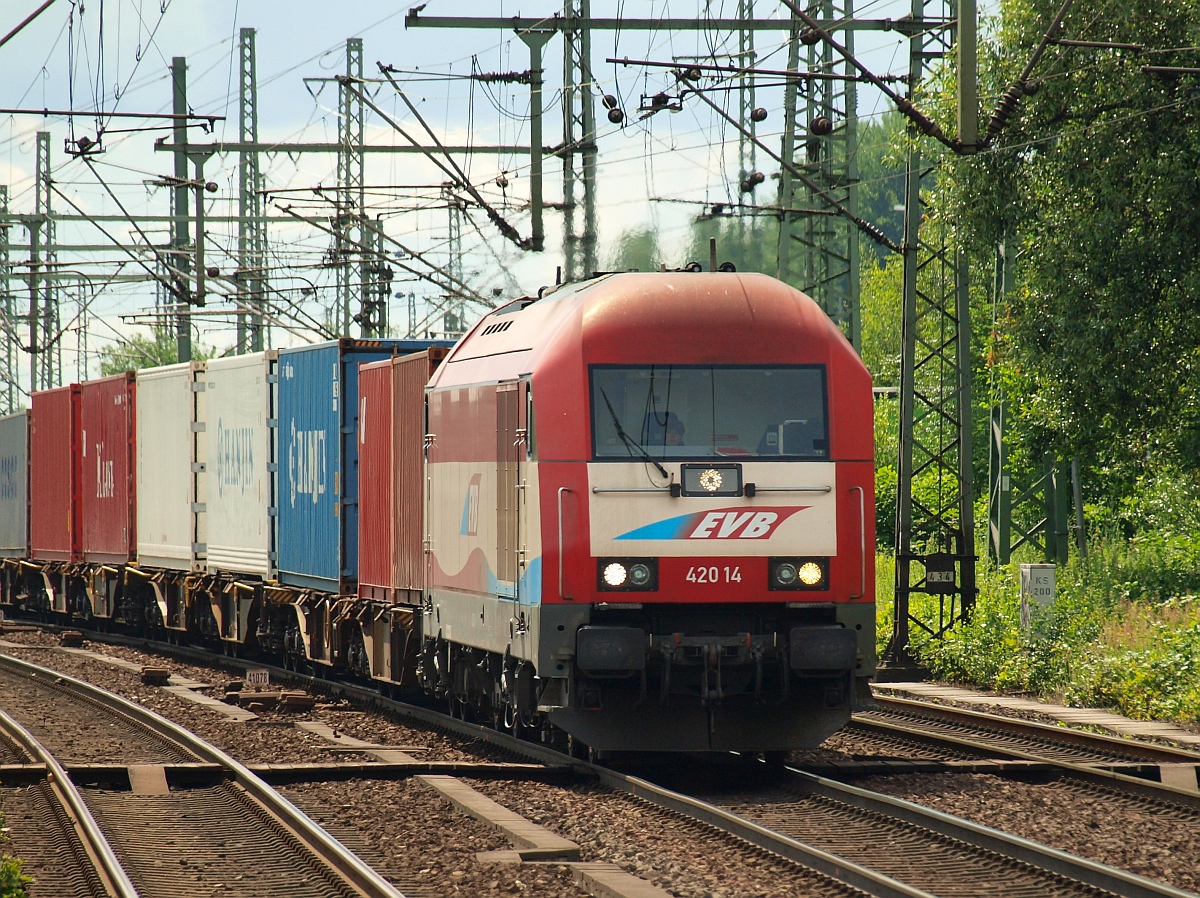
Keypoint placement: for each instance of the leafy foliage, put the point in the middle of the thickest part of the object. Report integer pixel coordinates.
(140, 351)
(636, 250)
(1124, 633)
(12, 880)
(1096, 178)
(880, 161)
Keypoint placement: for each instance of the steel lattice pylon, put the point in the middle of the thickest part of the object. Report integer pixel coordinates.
(351, 194)
(935, 547)
(252, 227)
(10, 391)
(825, 111)
(49, 356)
(579, 143)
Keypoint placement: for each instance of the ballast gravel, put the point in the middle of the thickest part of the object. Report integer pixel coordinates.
(429, 849)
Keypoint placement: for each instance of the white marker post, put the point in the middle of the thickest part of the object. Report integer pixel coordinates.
(1038, 592)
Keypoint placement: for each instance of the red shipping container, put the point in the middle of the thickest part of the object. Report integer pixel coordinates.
(54, 473)
(107, 484)
(391, 434)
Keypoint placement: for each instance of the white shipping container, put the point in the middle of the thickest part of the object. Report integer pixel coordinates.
(170, 467)
(240, 411)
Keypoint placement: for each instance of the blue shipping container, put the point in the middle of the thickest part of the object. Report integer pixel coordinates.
(317, 461)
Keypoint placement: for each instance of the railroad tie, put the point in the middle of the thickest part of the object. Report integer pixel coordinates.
(148, 779)
(610, 881)
(1181, 776)
(533, 842)
(379, 752)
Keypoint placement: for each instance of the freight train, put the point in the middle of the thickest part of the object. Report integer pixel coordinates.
(634, 513)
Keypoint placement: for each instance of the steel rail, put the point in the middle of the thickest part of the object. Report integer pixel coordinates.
(1082, 871)
(1098, 742)
(108, 868)
(1043, 857)
(331, 852)
(831, 865)
(1093, 774)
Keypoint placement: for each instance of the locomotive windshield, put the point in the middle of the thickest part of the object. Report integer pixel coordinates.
(709, 411)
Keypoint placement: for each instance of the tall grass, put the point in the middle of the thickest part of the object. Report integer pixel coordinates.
(1123, 633)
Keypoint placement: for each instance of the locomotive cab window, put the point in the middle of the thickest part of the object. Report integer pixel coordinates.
(709, 411)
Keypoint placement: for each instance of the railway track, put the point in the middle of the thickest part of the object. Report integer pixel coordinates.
(65, 836)
(1161, 776)
(181, 817)
(964, 729)
(796, 820)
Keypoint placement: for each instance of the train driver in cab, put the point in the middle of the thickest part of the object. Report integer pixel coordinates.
(664, 430)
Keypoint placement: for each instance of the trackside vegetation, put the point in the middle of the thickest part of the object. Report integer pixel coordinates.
(1124, 632)
(12, 881)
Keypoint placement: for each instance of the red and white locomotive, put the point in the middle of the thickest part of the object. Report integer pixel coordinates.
(638, 510)
(666, 541)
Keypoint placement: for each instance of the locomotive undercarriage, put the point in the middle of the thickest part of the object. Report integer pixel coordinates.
(758, 678)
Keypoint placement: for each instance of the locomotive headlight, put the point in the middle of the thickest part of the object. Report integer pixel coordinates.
(710, 480)
(810, 573)
(639, 574)
(786, 574)
(627, 574)
(615, 575)
(798, 573)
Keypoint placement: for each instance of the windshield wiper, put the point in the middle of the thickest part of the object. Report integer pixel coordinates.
(634, 447)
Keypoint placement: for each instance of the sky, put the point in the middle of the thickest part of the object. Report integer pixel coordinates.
(660, 170)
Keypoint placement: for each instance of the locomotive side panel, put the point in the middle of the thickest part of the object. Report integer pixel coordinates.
(54, 471)
(170, 522)
(14, 485)
(239, 435)
(484, 534)
(460, 515)
(108, 484)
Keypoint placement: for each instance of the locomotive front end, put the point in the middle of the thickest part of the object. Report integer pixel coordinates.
(730, 597)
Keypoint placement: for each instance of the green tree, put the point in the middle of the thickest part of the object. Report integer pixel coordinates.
(748, 242)
(637, 249)
(141, 351)
(880, 159)
(1097, 178)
